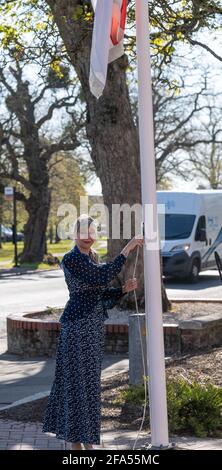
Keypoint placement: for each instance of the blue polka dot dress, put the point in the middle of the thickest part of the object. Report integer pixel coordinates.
(73, 412)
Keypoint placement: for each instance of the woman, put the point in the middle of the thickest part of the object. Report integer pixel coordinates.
(73, 412)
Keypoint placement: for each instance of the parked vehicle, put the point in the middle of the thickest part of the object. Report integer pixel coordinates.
(193, 231)
(7, 234)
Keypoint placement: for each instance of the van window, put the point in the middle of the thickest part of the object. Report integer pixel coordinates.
(201, 228)
(178, 226)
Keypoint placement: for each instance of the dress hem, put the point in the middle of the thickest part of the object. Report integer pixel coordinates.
(73, 441)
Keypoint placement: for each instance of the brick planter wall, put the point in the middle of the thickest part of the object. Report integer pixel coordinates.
(172, 340)
(201, 333)
(116, 339)
(31, 337)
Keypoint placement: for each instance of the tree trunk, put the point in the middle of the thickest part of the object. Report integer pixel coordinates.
(1, 216)
(37, 206)
(110, 128)
(57, 239)
(51, 234)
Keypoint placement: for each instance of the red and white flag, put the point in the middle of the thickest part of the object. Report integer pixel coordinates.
(107, 40)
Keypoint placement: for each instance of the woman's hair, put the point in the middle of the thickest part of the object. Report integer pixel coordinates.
(82, 221)
(94, 255)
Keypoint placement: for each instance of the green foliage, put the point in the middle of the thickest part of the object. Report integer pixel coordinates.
(7, 251)
(78, 12)
(55, 66)
(8, 35)
(57, 249)
(192, 408)
(179, 21)
(58, 75)
(66, 184)
(49, 309)
(133, 395)
(21, 22)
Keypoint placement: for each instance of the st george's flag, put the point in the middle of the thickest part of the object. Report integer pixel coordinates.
(107, 40)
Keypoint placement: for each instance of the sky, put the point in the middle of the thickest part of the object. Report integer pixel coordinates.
(95, 188)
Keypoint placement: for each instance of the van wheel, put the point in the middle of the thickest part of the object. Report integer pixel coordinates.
(194, 272)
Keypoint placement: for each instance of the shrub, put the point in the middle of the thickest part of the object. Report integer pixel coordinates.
(199, 410)
(192, 408)
(50, 259)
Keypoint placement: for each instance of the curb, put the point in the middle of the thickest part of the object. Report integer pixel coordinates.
(26, 271)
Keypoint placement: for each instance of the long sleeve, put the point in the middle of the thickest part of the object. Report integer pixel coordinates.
(82, 267)
(111, 295)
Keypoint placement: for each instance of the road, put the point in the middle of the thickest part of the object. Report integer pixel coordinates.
(208, 287)
(30, 292)
(35, 291)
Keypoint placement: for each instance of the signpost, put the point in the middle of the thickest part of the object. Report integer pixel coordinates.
(10, 195)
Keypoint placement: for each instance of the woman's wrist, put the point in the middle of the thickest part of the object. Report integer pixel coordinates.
(125, 251)
(124, 291)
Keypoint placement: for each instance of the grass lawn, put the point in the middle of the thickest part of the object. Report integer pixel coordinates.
(58, 249)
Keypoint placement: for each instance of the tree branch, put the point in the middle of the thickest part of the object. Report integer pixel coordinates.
(204, 46)
(60, 146)
(64, 102)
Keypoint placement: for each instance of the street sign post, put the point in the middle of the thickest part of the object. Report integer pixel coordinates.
(10, 195)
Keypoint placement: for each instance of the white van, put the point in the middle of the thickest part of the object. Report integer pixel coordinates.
(193, 231)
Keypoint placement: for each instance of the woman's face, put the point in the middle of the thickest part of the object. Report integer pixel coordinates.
(86, 236)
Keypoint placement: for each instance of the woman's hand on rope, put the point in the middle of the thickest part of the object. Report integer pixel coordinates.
(130, 285)
(138, 240)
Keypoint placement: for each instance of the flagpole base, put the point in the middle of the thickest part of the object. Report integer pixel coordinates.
(170, 446)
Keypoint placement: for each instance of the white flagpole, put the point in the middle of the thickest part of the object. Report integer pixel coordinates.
(155, 343)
